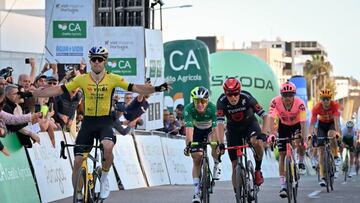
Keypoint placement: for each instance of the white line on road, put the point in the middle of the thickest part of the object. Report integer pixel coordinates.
(314, 194)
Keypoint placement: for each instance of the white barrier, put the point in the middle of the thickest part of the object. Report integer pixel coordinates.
(127, 163)
(152, 159)
(53, 174)
(178, 165)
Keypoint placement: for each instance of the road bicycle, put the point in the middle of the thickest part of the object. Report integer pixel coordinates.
(329, 164)
(291, 169)
(346, 164)
(206, 180)
(87, 177)
(246, 189)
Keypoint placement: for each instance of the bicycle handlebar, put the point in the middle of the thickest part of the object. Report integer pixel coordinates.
(237, 147)
(63, 146)
(194, 144)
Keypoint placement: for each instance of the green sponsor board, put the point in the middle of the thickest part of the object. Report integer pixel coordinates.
(122, 66)
(186, 66)
(69, 29)
(16, 181)
(255, 75)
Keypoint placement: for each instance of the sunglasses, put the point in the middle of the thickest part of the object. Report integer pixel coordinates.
(99, 59)
(52, 83)
(325, 99)
(203, 101)
(287, 94)
(232, 94)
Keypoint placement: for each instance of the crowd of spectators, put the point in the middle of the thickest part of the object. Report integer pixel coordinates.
(174, 121)
(65, 112)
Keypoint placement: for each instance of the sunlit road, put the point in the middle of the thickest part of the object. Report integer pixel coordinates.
(309, 192)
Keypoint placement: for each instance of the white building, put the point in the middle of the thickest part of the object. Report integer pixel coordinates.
(22, 31)
(342, 85)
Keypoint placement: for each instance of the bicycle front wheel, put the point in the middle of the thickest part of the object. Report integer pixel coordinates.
(332, 171)
(80, 188)
(252, 187)
(95, 190)
(289, 179)
(327, 169)
(240, 186)
(205, 183)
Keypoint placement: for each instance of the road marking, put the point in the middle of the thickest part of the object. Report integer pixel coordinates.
(314, 194)
(344, 183)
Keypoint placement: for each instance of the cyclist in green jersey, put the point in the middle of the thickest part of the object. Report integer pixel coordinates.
(200, 122)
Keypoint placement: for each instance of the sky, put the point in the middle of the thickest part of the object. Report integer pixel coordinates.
(334, 24)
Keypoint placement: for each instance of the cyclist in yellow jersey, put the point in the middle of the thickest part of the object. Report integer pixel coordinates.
(98, 87)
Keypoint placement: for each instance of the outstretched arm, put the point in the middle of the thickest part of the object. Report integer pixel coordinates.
(48, 91)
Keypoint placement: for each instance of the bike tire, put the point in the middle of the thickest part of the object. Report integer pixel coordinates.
(205, 183)
(239, 189)
(253, 188)
(346, 167)
(81, 180)
(288, 179)
(327, 169)
(332, 172)
(296, 177)
(96, 179)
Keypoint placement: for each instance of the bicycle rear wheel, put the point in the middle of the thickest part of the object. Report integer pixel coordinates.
(252, 187)
(205, 183)
(289, 179)
(240, 195)
(80, 188)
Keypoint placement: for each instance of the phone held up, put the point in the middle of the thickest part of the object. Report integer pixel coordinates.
(27, 61)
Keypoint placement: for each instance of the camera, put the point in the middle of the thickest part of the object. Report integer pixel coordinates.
(6, 72)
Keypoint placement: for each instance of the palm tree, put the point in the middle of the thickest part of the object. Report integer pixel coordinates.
(320, 69)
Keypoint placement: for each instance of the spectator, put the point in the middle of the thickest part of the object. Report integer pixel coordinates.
(25, 88)
(12, 100)
(174, 125)
(6, 118)
(179, 116)
(166, 120)
(3, 82)
(6, 73)
(120, 123)
(128, 98)
(40, 81)
(65, 107)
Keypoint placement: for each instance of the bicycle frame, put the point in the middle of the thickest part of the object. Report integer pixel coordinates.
(329, 164)
(291, 170)
(89, 176)
(206, 180)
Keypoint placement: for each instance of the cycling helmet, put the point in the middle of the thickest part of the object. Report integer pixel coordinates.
(232, 85)
(288, 87)
(199, 93)
(326, 93)
(98, 51)
(349, 124)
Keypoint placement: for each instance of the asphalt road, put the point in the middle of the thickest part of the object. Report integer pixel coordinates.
(309, 192)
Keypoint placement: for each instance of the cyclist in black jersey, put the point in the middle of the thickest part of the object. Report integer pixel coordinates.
(98, 87)
(239, 108)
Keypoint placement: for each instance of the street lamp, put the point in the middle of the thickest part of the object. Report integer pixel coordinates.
(152, 6)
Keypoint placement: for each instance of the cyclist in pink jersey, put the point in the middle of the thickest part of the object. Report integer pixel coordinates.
(292, 121)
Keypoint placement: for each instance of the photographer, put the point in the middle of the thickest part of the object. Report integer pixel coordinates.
(12, 106)
(6, 73)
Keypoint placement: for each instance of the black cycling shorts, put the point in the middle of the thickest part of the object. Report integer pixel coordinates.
(92, 127)
(234, 136)
(322, 131)
(198, 136)
(287, 131)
